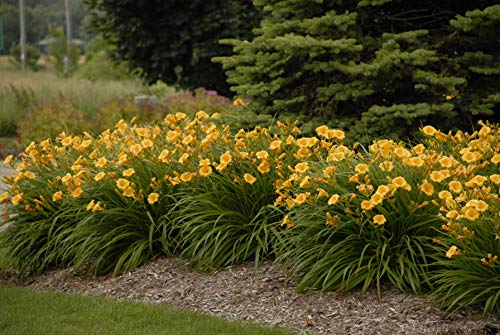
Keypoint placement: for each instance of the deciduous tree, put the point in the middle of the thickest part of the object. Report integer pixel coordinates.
(174, 40)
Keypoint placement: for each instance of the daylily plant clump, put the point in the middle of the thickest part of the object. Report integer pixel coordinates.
(397, 211)
(423, 216)
(113, 202)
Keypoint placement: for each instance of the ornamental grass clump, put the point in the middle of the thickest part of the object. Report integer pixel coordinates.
(112, 202)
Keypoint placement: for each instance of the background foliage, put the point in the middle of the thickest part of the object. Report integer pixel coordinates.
(49, 119)
(32, 55)
(39, 14)
(19, 92)
(174, 40)
(372, 67)
(99, 62)
(64, 57)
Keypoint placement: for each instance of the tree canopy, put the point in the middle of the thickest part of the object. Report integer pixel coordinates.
(174, 40)
(372, 67)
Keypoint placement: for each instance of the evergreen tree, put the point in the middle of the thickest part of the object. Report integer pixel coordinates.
(372, 67)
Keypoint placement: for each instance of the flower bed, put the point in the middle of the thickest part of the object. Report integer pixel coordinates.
(425, 217)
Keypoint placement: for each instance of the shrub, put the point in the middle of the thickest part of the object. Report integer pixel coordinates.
(159, 89)
(125, 108)
(64, 57)
(48, 119)
(199, 100)
(471, 228)
(229, 218)
(373, 68)
(358, 218)
(99, 63)
(15, 102)
(173, 41)
(32, 56)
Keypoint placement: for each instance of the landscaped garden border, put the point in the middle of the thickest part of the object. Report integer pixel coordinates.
(416, 215)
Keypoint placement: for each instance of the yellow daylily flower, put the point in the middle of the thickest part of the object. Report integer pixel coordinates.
(249, 178)
(452, 251)
(301, 167)
(334, 199)
(57, 196)
(77, 192)
(153, 198)
(128, 172)
(429, 130)
(379, 219)
(99, 176)
(122, 183)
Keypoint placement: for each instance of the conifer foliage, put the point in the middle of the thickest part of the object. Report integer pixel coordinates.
(372, 67)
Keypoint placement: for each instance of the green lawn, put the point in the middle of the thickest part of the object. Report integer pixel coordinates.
(24, 311)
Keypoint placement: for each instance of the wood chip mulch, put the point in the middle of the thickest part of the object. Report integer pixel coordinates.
(265, 296)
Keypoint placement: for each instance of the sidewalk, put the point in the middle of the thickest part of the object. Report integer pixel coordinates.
(4, 171)
(8, 171)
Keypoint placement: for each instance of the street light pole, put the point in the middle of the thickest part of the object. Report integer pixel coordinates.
(22, 20)
(67, 58)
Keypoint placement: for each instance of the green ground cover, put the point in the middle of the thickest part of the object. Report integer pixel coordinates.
(29, 312)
